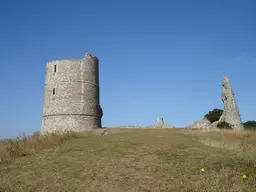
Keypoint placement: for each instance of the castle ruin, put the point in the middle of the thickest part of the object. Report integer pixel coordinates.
(231, 113)
(72, 103)
(160, 124)
(71, 95)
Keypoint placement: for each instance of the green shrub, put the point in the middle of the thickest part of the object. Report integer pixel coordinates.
(213, 115)
(224, 125)
(250, 125)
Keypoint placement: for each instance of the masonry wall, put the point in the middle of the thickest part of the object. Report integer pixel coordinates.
(71, 96)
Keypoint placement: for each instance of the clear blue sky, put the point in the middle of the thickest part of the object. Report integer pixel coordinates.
(160, 58)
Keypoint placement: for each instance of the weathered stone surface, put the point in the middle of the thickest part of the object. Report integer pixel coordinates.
(200, 124)
(212, 127)
(71, 95)
(150, 126)
(160, 124)
(231, 113)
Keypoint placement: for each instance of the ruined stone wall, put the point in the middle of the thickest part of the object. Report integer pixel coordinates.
(71, 95)
(231, 113)
(160, 124)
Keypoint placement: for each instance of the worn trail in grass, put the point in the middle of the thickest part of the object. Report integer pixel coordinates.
(134, 160)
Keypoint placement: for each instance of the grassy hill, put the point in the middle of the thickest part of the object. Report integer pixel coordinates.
(146, 160)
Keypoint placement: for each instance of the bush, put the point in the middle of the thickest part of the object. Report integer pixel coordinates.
(214, 115)
(250, 125)
(224, 125)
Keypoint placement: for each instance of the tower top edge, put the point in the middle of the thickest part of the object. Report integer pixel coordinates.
(86, 56)
(63, 60)
(89, 56)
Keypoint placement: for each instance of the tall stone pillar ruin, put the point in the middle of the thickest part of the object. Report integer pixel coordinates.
(231, 113)
(160, 122)
(71, 95)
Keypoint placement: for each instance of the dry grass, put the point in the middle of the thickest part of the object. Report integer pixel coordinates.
(228, 139)
(130, 160)
(24, 145)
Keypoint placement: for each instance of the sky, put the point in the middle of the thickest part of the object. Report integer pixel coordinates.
(163, 58)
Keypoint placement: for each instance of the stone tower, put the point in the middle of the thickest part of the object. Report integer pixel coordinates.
(160, 122)
(71, 95)
(231, 113)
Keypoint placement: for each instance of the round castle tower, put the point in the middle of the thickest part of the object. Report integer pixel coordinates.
(71, 95)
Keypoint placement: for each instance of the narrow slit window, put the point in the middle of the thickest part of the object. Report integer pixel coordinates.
(53, 91)
(55, 68)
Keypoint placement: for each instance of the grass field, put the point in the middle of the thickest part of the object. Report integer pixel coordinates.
(130, 160)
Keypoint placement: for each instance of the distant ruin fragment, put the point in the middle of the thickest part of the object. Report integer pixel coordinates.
(200, 124)
(231, 113)
(160, 124)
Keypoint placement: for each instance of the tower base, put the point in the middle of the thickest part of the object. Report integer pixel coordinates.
(64, 123)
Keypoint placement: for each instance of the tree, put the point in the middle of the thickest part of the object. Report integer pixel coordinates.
(213, 115)
(250, 125)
